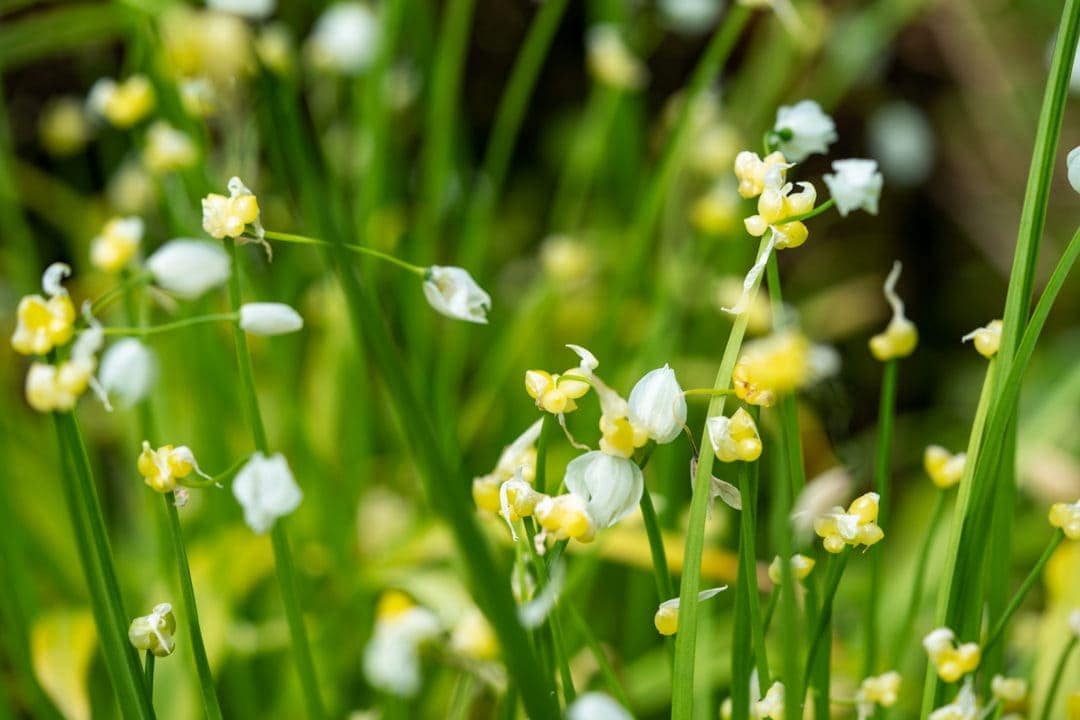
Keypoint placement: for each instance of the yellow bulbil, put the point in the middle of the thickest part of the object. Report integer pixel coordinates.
(666, 619)
(987, 339)
(749, 391)
(565, 517)
(392, 604)
(898, 340)
(555, 393)
(735, 438)
(43, 324)
(944, 468)
(125, 103)
(951, 661)
(1067, 517)
(229, 216)
(750, 171)
(161, 468)
(801, 566)
(856, 526)
(620, 436)
(117, 244)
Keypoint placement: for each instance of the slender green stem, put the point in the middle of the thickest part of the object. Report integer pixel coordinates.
(608, 672)
(120, 290)
(121, 661)
(540, 480)
(886, 411)
(664, 588)
(148, 675)
(359, 249)
(809, 214)
(907, 624)
(1021, 592)
(1059, 672)
(169, 327)
(837, 563)
(282, 554)
(557, 639)
(770, 608)
(191, 611)
(686, 638)
(748, 628)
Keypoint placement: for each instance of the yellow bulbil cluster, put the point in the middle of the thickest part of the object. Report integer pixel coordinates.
(161, 468)
(122, 103)
(735, 438)
(1010, 690)
(951, 661)
(555, 393)
(801, 566)
(620, 437)
(900, 337)
(229, 216)
(777, 200)
(1067, 517)
(56, 388)
(43, 324)
(856, 526)
(987, 338)
(517, 460)
(565, 517)
(117, 244)
(751, 170)
(777, 364)
(943, 467)
(883, 690)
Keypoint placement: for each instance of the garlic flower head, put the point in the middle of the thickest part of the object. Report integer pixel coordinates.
(734, 438)
(855, 526)
(950, 660)
(43, 324)
(900, 336)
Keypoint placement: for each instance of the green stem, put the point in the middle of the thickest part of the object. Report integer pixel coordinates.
(610, 678)
(686, 638)
(282, 554)
(169, 327)
(557, 639)
(1059, 672)
(119, 291)
(886, 412)
(148, 670)
(191, 611)
(92, 543)
(817, 637)
(359, 249)
(903, 635)
(1021, 592)
(770, 608)
(664, 588)
(809, 214)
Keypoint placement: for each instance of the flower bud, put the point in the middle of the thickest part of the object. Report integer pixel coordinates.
(987, 338)
(154, 632)
(453, 293)
(266, 489)
(188, 268)
(269, 319)
(855, 185)
(658, 405)
(611, 486)
(803, 130)
(128, 371)
(345, 39)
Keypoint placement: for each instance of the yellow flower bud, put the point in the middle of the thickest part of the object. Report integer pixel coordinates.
(900, 336)
(43, 324)
(666, 620)
(734, 438)
(554, 393)
(154, 632)
(790, 235)
(987, 339)
(117, 244)
(122, 104)
(944, 468)
(392, 604)
(801, 566)
(750, 171)
(620, 437)
(1066, 517)
(162, 468)
(856, 526)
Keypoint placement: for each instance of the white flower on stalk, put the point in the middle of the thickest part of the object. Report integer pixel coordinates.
(902, 139)
(266, 489)
(250, 9)
(855, 184)
(154, 632)
(610, 486)
(611, 61)
(690, 16)
(666, 618)
(658, 405)
(345, 39)
(188, 268)
(803, 129)
(772, 705)
(964, 707)
(392, 656)
(128, 371)
(453, 293)
(596, 706)
(269, 318)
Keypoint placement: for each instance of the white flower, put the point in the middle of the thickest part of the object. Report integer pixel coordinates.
(657, 404)
(690, 16)
(772, 706)
(268, 318)
(811, 130)
(856, 185)
(345, 38)
(596, 706)
(189, 268)
(453, 293)
(128, 371)
(1074, 622)
(391, 658)
(611, 486)
(266, 489)
(1073, 161)
(251, 9)
(900, 136)
(611, 61)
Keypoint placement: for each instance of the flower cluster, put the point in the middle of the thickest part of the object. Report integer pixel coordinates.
(1067, 517)
(122, 104)
(801, 567)
(856, 526)
(987, 338)
(779, 364)
(952, 661)
(43, 324)
(230, 216)
(164, 467)
(117, 244)
(943, 467)
(153, 633)
(900, 337)
(734, 438)
(879, 690)
(391, 658)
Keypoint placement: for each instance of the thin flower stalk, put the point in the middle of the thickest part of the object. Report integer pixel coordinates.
(1036, 572)
(902, 642)
(283, 560)
(886, 412)
(1059, 673)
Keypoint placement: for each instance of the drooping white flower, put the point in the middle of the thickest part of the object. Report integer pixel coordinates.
(1073, 162)
(611, 486)
(855, 184)
(154, 632)
(596, 706)
(345, 38)
(803, 129)
(269, 318)
(266, 489)
(188, 268)
(902, 139)
(657, 404)
(391, 657)
(453, 293)
(1074, 622)
(128, 371)
(251, 9)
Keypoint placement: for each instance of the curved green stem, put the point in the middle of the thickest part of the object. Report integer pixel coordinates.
(1021, 592)
(359, 249)
(1059, 672)
(169, 327)
(282, 553)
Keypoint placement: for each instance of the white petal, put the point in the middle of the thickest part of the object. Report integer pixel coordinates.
(611, 486)
(128, 371)
(657, 404)
(266, 489)
(596, 706)
(188, 268)
(53, 277)
(269, 319)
